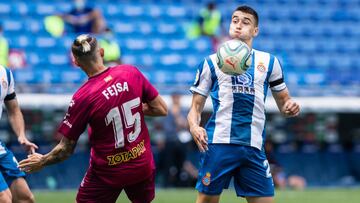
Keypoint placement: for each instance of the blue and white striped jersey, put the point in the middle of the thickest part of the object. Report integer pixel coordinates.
(7, 89)
(239, 101)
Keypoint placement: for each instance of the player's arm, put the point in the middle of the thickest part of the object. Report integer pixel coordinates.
(287, 106)
(194, 117)
(61, 152)
(17, 123)
(156, 107)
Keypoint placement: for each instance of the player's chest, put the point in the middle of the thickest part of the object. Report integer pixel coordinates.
(253, 77)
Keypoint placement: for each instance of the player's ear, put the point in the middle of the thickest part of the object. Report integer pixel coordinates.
(102, 52)
(256, 31)
(75, 61)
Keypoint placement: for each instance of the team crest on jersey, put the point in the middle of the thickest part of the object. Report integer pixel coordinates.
(261, 67)
(206, 179)
(108, 78)
(4, 83)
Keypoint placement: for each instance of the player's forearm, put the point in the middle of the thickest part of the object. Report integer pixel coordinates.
(281, 98)
(61, 152)
(193, 118)
(156, 107)
(17, 123)
(149, 111)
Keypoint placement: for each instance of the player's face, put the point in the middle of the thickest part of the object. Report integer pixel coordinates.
(243, 27)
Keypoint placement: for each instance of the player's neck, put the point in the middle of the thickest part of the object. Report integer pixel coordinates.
(249, 43)
(95, 70)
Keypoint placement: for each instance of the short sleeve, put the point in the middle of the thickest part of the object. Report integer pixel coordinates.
(276, 79)
(149, 92)
(11, 82)
(203, 81)
(10, 93)
(75, 120)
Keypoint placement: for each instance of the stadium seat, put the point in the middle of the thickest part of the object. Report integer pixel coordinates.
(5, 9)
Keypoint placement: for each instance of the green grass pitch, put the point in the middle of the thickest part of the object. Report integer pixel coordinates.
(338, 195)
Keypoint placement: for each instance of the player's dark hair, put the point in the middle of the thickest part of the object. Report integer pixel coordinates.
(84, 47)
(249, 10)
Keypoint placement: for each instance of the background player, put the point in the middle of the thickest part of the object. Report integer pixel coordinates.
(233, 141)
(113, 102)
(10, 175)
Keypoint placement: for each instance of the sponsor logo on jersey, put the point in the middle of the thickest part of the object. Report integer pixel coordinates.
(243, 84)
(126, 156)
(261, 67)
(206, 179)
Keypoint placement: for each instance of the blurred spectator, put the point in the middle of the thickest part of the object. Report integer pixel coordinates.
(281, 179)
(4, 49)
(175, 158)
(85, 19)
(210, 20)
(208, 24)
(16, 59)
(54, 25)
(112, 52)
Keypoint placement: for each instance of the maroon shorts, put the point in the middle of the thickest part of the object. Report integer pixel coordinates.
(93, 190)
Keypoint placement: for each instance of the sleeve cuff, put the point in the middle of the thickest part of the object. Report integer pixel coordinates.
(193, 90)
(279, 87)
(10, 96)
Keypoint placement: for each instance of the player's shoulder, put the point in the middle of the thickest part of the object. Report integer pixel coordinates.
(125, 68)
(262, 54)
(4, 71)
(4, 68)
(209, 60)
(127, 72)
(212, 57)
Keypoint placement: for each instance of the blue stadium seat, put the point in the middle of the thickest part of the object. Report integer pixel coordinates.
(19, 9)
(322, 61)
(45, 42)
(13, 24)
(133, 10)
(122, 27)
(176, 12)
(5, 9)
(45, 9)
(24, 76)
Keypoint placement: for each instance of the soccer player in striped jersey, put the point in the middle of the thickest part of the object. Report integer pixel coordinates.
(113, 103)
(232, 141)
(13, 187)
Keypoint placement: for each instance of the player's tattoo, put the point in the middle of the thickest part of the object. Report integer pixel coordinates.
(61, 152)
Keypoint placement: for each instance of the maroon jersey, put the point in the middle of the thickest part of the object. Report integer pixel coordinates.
(111, 103)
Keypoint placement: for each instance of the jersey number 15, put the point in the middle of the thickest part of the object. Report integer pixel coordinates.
(130, 120)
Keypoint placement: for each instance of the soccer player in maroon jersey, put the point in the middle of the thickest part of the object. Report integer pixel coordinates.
(113, 103)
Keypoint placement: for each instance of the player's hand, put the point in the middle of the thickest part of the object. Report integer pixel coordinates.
(29, 146)
(200, 137)
(291, 108)
(32, 164)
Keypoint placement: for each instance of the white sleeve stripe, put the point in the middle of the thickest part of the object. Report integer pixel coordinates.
(193, 90)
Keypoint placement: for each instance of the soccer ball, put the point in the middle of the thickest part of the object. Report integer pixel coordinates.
(233, 57)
